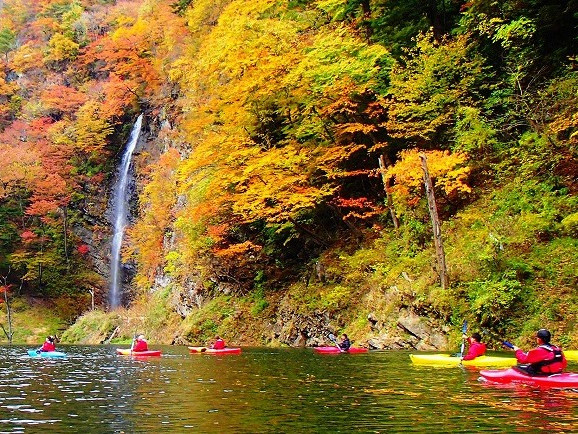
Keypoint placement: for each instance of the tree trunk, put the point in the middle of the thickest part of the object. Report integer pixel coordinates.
(388, 195)
(65, 212)
(10, 333)
(431, 201)
(366, 7)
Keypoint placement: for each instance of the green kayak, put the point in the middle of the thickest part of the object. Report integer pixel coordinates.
(447, 360)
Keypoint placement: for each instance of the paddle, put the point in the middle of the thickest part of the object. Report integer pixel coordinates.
(464, 330)
(132, 344)
(333, 339)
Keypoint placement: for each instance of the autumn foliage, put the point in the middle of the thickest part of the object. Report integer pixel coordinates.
(265, 124)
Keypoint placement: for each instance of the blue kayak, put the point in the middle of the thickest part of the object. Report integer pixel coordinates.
(48, 354)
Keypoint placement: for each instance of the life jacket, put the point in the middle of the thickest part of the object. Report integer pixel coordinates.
(345, 345)
(558, 358)
(48, 347)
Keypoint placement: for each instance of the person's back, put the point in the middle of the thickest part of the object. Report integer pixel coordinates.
(48, 345)
(544, 359)
(476, 347)
(219, 343)
(140, 344)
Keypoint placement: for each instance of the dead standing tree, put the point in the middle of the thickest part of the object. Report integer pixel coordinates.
(437, 231)
(5, 289)
(387, 187)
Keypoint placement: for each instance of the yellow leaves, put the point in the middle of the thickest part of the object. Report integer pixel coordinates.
(92, 128)
(355, 127)
(6, 88)
(278, 185)
(157, 214)
(238, 250)
(431, 84)
(446, 170)
(27, 57)
(563, 95)
(61, 47)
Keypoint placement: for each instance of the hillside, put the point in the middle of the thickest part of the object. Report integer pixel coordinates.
(260, 211)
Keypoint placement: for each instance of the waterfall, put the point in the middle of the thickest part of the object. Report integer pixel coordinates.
(120, 215)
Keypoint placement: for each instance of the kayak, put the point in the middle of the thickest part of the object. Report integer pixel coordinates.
(205, 350)
(447, 360)
(47, 354)
(335, 350)
(505, 376)
(571, 355)
(128, 352)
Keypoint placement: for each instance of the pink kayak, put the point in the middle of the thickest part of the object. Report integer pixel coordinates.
(128, 352)
(335, 350)
(504, 376)
(205, 350)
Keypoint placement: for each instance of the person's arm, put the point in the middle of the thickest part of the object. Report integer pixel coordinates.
(532, 356)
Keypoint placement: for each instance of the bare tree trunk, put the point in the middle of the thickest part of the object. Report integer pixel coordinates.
(431, 201)
(10, 332)
(388, 195)
(65, 212)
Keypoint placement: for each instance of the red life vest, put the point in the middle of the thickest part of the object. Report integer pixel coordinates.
(219, 344)
(140, 346)
(48, 346)
(476, 349)
(546, 359)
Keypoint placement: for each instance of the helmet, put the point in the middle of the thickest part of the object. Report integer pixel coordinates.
(544, 335)
(477, 337)
(50, 338)
(140, 338)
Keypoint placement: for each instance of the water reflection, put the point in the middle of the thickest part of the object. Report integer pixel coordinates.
(264, 390)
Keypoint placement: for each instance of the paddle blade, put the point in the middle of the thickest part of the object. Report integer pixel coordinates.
(332, 337)
(508, 344)
(465, 326)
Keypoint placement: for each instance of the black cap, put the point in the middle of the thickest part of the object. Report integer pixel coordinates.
(544, 335)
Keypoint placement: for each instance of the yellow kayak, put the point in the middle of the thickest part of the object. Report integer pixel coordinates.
(446, 360)
(571, 355)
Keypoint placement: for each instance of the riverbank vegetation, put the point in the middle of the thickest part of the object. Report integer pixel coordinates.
(263, 214)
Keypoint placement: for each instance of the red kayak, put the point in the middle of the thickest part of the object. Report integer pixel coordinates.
(205, 350)
(128, 352)
(505, 376)
(335, 350)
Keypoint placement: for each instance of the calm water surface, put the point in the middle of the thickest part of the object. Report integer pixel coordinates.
(264, 390)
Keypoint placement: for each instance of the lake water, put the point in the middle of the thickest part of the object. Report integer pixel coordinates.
(264, 390)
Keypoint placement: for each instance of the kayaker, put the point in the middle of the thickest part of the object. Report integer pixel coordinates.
(476, 347)
(344, 344)
(140, 344)
(48, 345)
(543, 360)
(219, 343)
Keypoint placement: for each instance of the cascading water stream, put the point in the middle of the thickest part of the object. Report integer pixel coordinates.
(120, 214)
